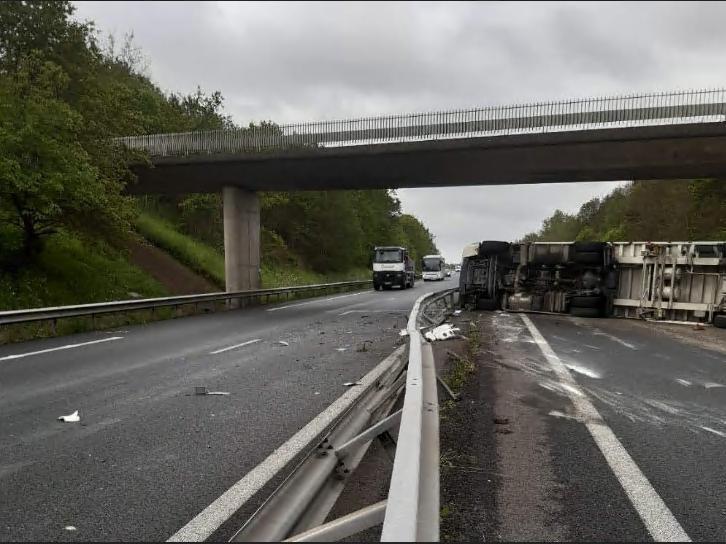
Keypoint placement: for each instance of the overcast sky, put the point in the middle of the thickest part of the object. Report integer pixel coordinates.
(292, 62)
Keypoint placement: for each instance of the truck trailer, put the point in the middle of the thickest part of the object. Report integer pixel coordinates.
(676, 281)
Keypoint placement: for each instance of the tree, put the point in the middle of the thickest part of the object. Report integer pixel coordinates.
(47, 179)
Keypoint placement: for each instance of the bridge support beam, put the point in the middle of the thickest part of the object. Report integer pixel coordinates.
(241, 239)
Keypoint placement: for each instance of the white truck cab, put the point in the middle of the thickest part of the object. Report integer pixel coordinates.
(392, 266)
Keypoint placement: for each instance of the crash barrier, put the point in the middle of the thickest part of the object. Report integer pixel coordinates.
(297, 509)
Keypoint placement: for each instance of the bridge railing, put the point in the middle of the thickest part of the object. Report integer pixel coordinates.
(581, 114)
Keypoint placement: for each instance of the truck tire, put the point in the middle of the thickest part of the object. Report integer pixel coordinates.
(585, 312)
(588, 257)
(491, 247)
(586, 302)
(720, 321)
(588, 247)
(488, 304)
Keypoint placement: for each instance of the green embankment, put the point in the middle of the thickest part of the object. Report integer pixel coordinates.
(277, 270)
(68, 271)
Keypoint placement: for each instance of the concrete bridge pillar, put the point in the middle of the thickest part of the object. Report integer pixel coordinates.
(241, 239)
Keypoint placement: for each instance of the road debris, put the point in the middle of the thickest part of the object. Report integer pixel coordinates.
(203, 391)
(442, 332)
(351, 384)
(341, 349)
(70, 528)
(73, 418)
(457, 312)
(403, 332)
(283, 343)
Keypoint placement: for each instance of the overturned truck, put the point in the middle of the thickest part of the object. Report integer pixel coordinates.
(678, 281)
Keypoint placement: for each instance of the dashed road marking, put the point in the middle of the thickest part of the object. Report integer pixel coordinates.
(59, 348)
(236, 346)
(312, 302)
(657, 517)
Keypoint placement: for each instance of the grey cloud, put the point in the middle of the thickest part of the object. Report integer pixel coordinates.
(293, 62)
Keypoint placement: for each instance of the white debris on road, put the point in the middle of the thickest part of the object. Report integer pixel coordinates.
(283, 343)
(341, 349)
(350, 384)
(73, 418)
(403, 333)
(683, 382)
(70, 528)
(442, 332)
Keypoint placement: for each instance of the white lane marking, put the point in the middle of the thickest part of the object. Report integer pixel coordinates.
(213, 516)
(598, 332)
(656, 516)
(393, 310)
(236, 346)
(312, 302)
(714, 431)
(68, 346)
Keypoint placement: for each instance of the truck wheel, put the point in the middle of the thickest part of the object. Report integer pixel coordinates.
(586, 302)
(585, 312)
(376, 287)
(588, 247)
(493, 248)
(486, 304)
(588, 257)
(720, 321)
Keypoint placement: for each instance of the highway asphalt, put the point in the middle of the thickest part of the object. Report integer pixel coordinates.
(148, 455)
(615, 430)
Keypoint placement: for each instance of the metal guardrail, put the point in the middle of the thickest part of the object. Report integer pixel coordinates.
(297, 509)
(412, 514)
(580, 114)
(90, 310)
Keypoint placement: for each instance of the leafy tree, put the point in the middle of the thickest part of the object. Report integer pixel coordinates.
(47, 179)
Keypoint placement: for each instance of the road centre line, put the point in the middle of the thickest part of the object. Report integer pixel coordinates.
(236, 346)
(226, 505)
(313, 301)
(658, 519)
(68, 346)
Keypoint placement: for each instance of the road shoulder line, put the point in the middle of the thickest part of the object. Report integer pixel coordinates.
(657, 517)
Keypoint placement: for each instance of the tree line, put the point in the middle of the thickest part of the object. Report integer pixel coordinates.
(659, 210)
(65, 93)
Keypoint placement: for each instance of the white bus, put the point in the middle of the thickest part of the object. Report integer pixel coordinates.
(433, 268)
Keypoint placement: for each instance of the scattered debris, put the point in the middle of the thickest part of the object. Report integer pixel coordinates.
(70, 528)
(442, 332)
(501, 421)
(363, 316)
(73, 418)
(203, 391)
(457, 312)
(683, 382)
(699, 327)
(283, 343)
(348, 332)
(317, 392)
(403, 332)
(351, 384)
(341, 349)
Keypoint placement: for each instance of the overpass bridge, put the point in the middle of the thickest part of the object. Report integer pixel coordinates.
(647, 136)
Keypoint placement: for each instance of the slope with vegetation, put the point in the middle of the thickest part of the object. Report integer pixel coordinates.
(64, 218)
(665, 210)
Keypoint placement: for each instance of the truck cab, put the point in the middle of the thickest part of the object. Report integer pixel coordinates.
(392, 265)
